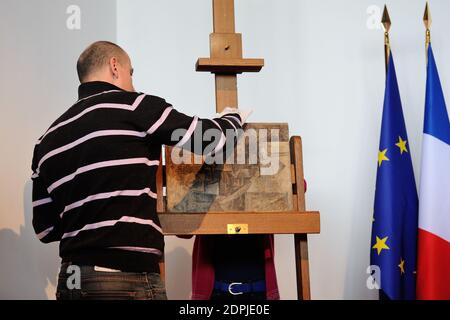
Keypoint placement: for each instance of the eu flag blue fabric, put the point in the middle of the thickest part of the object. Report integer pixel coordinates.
(394, 229)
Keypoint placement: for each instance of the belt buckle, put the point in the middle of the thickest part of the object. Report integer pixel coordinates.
(231, 285)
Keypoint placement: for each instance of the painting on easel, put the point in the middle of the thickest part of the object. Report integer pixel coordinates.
(256, 176)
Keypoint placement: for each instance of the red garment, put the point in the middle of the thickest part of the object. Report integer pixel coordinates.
(203, 269)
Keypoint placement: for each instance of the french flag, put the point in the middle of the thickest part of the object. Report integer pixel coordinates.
(433, 265)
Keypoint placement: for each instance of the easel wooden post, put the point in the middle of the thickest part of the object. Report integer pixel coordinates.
(226, 62)
(226, 55)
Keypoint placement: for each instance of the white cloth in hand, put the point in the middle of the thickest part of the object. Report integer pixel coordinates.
(244, 114)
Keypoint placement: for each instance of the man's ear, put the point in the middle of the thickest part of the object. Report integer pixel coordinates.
(113, 67)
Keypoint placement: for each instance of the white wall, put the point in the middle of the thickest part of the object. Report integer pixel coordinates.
(324, 75)
(38, 55)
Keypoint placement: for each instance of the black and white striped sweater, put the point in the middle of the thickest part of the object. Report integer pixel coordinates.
(94, 185)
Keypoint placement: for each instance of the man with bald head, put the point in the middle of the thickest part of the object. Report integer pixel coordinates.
(106, 61)
(94, 179)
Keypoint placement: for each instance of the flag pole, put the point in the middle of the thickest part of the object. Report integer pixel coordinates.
(427, 22)
(386, 22)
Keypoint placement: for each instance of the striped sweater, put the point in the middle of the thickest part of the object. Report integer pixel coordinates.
(94, 175)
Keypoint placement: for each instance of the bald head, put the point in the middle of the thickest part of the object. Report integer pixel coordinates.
(105, 61)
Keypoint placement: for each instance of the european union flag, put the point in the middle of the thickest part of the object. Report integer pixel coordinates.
(394, 230)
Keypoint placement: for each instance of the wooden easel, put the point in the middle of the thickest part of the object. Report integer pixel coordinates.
(226, 62)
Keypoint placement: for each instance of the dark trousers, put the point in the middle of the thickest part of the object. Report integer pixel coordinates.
(85, 283)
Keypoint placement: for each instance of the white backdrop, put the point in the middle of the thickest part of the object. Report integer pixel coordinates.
(324, 75)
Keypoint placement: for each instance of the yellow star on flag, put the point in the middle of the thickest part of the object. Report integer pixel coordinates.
(382, 157)
(380, 245)
(402, 266)
(402, 145)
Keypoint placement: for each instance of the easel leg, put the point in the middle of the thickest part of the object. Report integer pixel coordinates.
(302, 266)
(162, 270)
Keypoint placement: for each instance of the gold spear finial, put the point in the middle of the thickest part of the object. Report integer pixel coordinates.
(427, 16)
(427, 22)
(386, 22)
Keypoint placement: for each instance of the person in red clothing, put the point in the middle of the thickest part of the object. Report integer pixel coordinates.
(234, 267)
